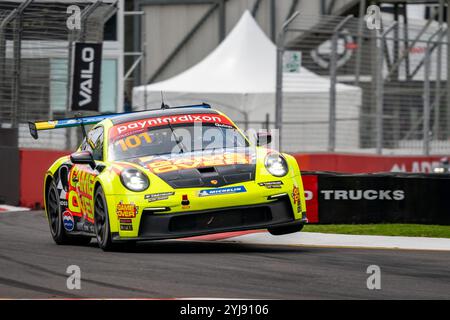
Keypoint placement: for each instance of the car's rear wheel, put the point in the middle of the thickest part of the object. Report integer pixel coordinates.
(101, 221)
(55, 220)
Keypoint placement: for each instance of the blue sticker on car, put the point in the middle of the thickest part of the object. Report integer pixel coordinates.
(219, 191)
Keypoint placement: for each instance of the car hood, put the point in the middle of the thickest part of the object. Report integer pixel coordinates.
(212, 168)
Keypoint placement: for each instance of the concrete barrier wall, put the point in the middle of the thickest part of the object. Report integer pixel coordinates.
(359, 163)
(33, 166)
(9, 173)
(34, 163)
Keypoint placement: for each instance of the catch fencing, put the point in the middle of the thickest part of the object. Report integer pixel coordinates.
(36, 44)
(367, 90)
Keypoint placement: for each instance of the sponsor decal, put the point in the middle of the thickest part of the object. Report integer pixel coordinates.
(86, 76)
(143, 125)
(391, 195)
(159, 165)
(415, 166)
(126, 227)
(219, 191)
(158, 196)
(214, 182)
(221, 125)
(134, 141)
(321, 55)
(79, 197)
(68, 221)
(88, 227)
(271, 184)
(185, 201)
(296, 198)
(126, 221)
(126, 210)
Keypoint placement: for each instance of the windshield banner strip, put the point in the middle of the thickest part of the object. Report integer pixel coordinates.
(139, 125)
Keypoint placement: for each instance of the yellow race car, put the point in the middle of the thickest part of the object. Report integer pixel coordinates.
(168, 173)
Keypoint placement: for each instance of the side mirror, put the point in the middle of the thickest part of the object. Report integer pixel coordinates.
(83, 157)
(263, 138)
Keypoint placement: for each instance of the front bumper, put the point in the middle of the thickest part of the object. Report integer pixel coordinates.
(154, 226)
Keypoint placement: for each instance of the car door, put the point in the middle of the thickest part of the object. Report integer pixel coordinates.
(83, 176)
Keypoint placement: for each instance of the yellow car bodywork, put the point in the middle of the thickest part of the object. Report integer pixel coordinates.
(126, 208)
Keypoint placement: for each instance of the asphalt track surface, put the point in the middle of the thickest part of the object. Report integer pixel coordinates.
(33, 266)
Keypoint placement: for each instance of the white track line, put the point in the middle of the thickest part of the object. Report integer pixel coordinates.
(8, 208)
(345, 241)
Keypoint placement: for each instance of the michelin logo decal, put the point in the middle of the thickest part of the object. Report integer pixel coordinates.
(219, 191)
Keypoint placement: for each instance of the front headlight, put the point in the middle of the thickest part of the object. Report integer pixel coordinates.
(134, 180)
(276, 164)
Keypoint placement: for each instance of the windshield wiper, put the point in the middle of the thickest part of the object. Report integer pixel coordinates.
(177, 140)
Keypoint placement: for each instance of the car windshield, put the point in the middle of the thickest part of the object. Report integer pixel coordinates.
(141, 140)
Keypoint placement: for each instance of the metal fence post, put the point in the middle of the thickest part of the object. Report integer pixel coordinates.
(447, 124)
(279, 78)
(437, 99)
(427, 95)
(379, 96)
(279, 91)
(74, 36)
(17, 50)
(426, 103)
(333, 80)
(362, 8)
(17, 53)
(380, 88)
(3, 25)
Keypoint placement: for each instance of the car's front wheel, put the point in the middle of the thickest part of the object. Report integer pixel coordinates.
(101, 221)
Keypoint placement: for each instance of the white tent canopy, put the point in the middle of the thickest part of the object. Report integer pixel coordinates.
(239, 78)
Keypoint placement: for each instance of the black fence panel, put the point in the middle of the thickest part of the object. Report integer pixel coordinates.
(383, 198)
(10, 175)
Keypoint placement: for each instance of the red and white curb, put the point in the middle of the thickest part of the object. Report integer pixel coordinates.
(8, 208)
(312, 239)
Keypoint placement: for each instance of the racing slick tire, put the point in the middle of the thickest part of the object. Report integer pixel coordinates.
(55, 220)
(291, 228)
(101, 221)
(101, 225)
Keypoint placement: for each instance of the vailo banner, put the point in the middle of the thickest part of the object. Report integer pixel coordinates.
(86, 71)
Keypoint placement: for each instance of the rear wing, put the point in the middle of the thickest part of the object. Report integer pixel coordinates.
(88, 120)
(67, 123)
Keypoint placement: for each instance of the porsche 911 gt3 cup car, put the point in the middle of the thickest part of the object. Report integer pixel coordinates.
(165, 174)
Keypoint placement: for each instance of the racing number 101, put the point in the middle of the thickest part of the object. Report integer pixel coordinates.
(134, 141)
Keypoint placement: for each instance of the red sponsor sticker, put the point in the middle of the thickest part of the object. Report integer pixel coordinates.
(296, 197)
(312, 205)
(126, 210)
(124, 129)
